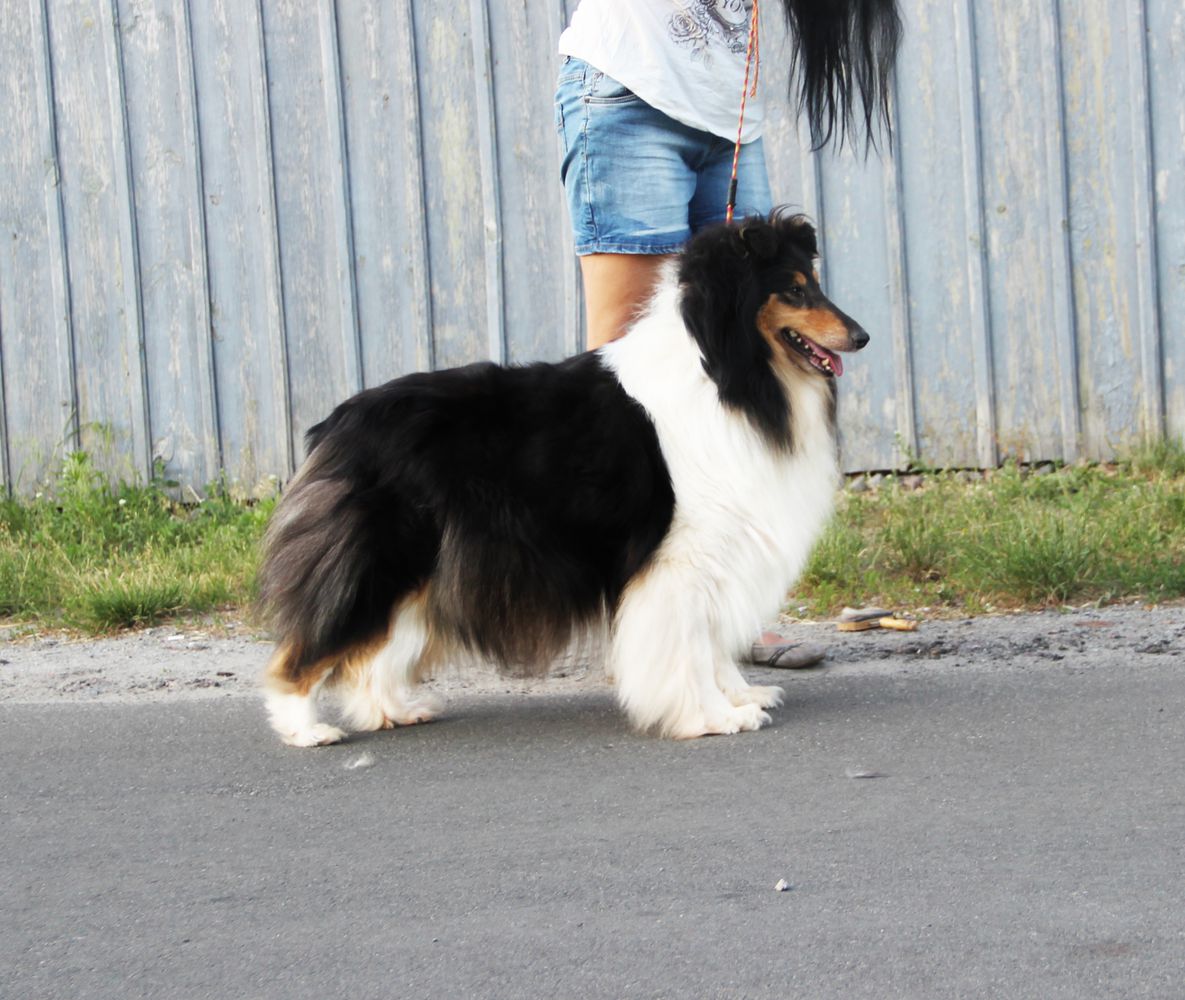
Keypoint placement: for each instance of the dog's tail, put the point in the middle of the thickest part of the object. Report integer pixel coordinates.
(316, 578)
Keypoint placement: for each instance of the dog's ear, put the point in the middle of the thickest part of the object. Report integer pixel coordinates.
(759, 239)
(798, 231)
(720, 293)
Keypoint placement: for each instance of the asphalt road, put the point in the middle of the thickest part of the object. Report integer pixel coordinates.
(1025, 837)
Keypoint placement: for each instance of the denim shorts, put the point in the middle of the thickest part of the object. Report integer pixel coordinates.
(637, 180)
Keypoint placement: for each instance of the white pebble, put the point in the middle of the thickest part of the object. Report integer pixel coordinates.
(782, 886)
(362, 760)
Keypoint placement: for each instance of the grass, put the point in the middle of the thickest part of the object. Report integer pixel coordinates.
(88, 556)
(96, 558)
(1012, 540)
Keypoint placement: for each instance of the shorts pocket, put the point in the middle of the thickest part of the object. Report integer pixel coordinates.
(606, 90)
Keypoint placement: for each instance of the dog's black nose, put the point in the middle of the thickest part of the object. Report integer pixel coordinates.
(859, 338)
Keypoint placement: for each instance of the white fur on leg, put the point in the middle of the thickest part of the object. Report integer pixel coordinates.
(740, 692)
(666, 643)
(745, 520)
(294, 717)
(384, 694)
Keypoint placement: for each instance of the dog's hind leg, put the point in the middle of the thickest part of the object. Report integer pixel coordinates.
(382, 691)
(664, 654)
(292, 703)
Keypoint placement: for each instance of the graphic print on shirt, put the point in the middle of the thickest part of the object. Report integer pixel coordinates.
(702, 25)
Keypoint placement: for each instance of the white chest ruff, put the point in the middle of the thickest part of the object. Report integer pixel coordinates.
(746, 515)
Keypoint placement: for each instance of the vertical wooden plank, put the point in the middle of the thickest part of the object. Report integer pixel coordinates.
(6, 478)
(307, 181)
(379, 94)
(129, 257)
(339, 173)
(452, 183)
(65, 420)
(486, 137)
(1111, 229)
(971, 155)
(242, 238)
(165, 171)
(932, 319)
(39, 406)
(100, 236)
(277, 315)
(1145, 277)
(1029, 292)
(1166, 80)
(859, 281)
(414, 109)
(906, 444)
(204, 339)
(573, 284)
(538, 278)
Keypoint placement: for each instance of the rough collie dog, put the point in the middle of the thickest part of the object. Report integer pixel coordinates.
(669, 485)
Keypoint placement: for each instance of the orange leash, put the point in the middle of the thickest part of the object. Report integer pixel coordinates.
(752, 62)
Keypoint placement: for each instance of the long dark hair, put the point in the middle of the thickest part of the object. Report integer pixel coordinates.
(844, 53)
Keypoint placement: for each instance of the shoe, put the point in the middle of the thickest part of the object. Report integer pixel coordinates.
(787, 655)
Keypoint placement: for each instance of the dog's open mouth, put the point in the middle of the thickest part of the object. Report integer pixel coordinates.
(826, 361)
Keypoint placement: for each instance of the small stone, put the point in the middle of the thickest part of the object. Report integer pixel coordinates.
(365, 759)
(782, 886)
(863, 772)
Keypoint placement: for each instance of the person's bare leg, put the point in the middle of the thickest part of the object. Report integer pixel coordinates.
(616, 287)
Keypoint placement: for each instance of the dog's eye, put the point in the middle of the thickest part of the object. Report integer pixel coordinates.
(794, 294)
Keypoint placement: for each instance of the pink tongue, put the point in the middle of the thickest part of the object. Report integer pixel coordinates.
(836, 364)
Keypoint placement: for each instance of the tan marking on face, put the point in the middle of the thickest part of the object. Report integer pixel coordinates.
(785, 359)
(821, 325)
(799, 280)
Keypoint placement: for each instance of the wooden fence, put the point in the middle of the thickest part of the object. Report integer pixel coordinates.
(221, 217)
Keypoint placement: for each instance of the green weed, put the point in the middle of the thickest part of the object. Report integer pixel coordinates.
(92, 556)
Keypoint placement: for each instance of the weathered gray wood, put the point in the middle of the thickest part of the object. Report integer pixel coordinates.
(339, 173)
(38, 421)
(165, 181)
(1166, 89)
(100, 235)
(381, 104)
(897, 255)
(1115, 325)
(485, 138)
(307, 167)
(973, 246)
(1147, 314)
(221, 219)
(246, 306)
(452, 183)
(1030, 295)
(538, 277)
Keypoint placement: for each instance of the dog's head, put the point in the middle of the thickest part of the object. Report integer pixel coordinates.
(751, 299)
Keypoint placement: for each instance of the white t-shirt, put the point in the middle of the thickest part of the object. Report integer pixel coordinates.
(684, 57)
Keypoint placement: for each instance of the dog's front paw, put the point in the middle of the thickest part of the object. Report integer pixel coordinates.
(318, 735)
(769, 696)
(737, 719)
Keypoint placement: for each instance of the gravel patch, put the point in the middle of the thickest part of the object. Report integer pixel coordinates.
(171, 663)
